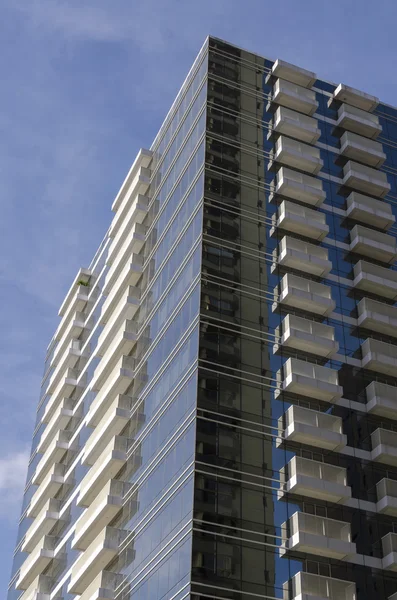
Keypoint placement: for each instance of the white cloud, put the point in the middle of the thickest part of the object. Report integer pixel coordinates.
(13, 469)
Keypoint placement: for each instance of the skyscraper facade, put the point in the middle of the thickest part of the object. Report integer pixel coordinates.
(218, 412)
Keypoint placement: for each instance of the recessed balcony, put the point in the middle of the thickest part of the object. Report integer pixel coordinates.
(36, 562)
(377, 316)
(357, 98)
(310, 380)
(134, 216)
(296, 125)
(309, 586)
(42, 525)
(106, 467)
(381, 399)
(376, 280)
(307, 336)
(55, 451)
(142, 160)
(63, 390)
(59, 420)
(39, 589)
(48, 488)
(102, 587)
(312, 428)
(301, 220)
(313, 479)
(358, 121)
(292, 73)
(96, 557)
(370, 211)
(365, 179)
(298, 186)
(297, 155)
(302, 256)
(386, 493)
(112, 423)
(379, 356)
(99, 514)
(320, 536)
(84, 276)
(362, 149)
(374, 244)
(384, 446)
(294, 96)
(389, 549)
(127, 275)
(304, 294)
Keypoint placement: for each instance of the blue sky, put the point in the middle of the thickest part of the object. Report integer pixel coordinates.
(83, 86)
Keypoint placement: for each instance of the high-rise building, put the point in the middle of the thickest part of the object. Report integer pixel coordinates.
(218, 413)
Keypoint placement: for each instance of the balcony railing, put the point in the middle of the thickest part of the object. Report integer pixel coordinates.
(382, 399)
(374, 244)
(297, 155)
(48, 488)
(294, 96)
(311, 428)
(36, 562)
(362, 149)
(308, 379)
(103, 586)
(386, 493)
(370, 211)
(376, 280)
(305, 188)
(306, 335)
(389, 548)
(377, 316)
(301, 220)
(302, 256)
(357, 98)
(365, 179)
(309, 586)
(384, 446)
(320, 536)
(358, 121)
(58, 421)
(296, 125)
(54, 453)
(292, 73)
(379, 356)
(39, 589)
(314, 479)
(304, 294)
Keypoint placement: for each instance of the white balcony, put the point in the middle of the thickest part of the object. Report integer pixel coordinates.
(118, 380)
(55, 451)
(320, 536)
(305, 188)
(122, 343)
(377, 316)
(63, 390)
(112, 423)
(292, 73)
(119, 308)
(132, 244)
(301, 220)
(68, 360)
(99, 514)
(362, 149)
(379, 356)
(142, 160)
(365, 179)
(381, 399)
(83, 275)
(308, 586)
(304, 294)
(95, 558)
(42, 525)
(106, 467)
(76, 305)
(59, 420)
(314, 479)
(311, 428)
(294, 96)
(128, 276)
(376, 280)
(310, 380)
(48, 488)
(389, 548)
(296, 125)
(72, 332)
(297, 155)
(374, 244)
(296, 254)
(364, 209)
(384, 446)
(134, 216)
(386, 494)
(102, 587)
(36, 562)
(358, 121)
(361, 100)
(39, 589)
(139, 189)
(307, 336)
